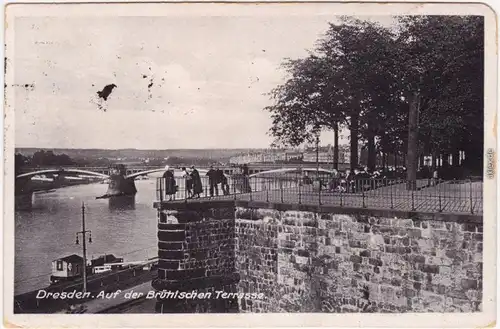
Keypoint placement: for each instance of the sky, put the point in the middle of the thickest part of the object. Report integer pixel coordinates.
(182, 82)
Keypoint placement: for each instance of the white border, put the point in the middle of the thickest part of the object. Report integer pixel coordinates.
(483, 319)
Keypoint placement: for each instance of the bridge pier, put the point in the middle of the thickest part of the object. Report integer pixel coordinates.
(122, 202)
(120, 186)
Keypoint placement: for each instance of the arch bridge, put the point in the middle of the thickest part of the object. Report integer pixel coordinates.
(121, 182)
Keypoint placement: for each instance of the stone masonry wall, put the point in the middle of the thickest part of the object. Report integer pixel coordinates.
(305, 261)
(196, 253)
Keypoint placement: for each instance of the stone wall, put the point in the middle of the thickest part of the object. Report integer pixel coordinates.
(312, 261)
(196, 251)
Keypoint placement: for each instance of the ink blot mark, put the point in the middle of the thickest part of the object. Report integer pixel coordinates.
(27, 86)
(144, 76)
(106, 91)
(150, 85)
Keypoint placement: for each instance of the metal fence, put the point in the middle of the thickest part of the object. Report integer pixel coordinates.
(430, 195)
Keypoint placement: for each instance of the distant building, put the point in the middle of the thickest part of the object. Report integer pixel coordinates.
(67, 268)
(322, 157)
(266, 157)
(325, 154)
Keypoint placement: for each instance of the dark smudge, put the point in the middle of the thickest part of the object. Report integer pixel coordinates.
(106, 91)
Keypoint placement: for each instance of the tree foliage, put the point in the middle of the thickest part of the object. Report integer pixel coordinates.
(361, 75)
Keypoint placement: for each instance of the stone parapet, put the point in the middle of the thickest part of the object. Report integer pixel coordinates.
(316, 259)
(196, 251)
(307, 261)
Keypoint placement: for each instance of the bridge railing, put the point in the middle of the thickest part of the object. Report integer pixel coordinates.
(429, 195)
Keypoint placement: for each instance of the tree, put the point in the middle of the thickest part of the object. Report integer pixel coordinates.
(443, 57)
(48, 158)
(347, 81)
(306, 104)
(371, 78)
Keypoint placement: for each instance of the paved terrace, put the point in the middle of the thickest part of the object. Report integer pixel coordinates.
(455, 197)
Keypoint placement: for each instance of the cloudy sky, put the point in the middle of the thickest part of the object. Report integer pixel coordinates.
(182, 82)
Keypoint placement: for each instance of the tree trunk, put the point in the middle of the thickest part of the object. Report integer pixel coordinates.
(446, 160)
(354, 140)
(412, 156)
(456, 158)
(420, 162)
(336, 146)
(384, 160)
(372, 155)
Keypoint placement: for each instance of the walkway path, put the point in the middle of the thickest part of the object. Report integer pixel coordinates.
(445, 197)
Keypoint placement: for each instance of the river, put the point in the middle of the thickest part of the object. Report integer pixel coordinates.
(48, 231)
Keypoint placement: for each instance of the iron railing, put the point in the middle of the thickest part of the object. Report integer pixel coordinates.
(430, 195)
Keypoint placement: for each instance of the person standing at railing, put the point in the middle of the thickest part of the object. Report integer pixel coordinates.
(170, 187)
(349, 179)
(189, 182)
(197, 186)
(306, 180)
(245, 170)
(213, 181)
(435, 177)
(223, 181)
(334, 180)
(246, 180)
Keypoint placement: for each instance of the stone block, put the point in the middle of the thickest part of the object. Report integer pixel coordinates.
(171, 235)
(356, 259)
(430, 268)
(468, 284)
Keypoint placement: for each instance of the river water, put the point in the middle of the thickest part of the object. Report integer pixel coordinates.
(48, 231)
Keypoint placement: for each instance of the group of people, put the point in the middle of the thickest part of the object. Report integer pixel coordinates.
(343, 181)
(215, 177)
(353, 180)
(194, 187)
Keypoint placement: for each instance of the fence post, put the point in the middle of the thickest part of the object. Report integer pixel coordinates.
(412, 198)
(340, 189)
(439, 196)
(234, 188)
(268, 186)
(250, 187)
(392, 201)
(281, 190)
(186, 190)
(470, 197)
(300, 190)
(161, 190)
(320, 185)
(363, 193)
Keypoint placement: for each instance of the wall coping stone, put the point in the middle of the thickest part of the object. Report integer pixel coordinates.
(194, 204)
(205, 204)
(447, 217)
